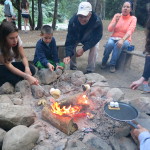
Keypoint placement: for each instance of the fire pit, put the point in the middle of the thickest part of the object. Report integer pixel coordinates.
(62, 114)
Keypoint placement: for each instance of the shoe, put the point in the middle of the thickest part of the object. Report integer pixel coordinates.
(73, 68)
(103, 65)
(112, 69)
(87, 72)
(146, 88)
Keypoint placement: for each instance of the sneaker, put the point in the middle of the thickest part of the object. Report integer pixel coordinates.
(112, 69)
(87, 72)
(103, 65)
(146, 88)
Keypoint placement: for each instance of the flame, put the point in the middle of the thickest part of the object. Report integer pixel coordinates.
(70, 110)
(83, 100)
(64, 110)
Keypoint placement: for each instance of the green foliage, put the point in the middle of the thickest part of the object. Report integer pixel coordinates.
(113, 7)
(1, 13)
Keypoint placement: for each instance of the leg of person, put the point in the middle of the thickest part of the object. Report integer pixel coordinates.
(93, 54)
(24, 24)
(7, 76)
(32, 69)
(146, 74)
(115, 55)
(108, 49)
(73, 63)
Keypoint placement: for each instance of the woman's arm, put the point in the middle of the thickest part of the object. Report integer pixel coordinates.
(24, 60)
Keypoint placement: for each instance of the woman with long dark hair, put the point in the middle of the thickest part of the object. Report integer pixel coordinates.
(10, 50)
(25, 13)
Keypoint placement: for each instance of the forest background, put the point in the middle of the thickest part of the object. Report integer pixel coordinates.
(59, 11)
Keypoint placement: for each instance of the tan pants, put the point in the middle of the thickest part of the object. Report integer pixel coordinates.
(93, 54)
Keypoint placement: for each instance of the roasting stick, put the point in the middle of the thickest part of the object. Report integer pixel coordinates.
(43, 89)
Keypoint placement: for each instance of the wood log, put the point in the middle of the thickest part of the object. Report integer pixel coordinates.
(73, 100)
(63, 123)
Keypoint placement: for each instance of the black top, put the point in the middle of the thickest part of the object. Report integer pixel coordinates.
(89, 35)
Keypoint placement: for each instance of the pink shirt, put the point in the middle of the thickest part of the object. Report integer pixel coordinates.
(126, 24)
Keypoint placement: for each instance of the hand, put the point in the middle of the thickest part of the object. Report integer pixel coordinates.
(50, 66)
(134, 85)
(79, 52)
(120, 43)
(27, 70)
(60, 67)
(117, 17)
(32, 80)
(66, 60)
(136, 132)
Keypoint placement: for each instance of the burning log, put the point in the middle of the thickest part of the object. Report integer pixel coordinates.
(77, 99)
(63, 123)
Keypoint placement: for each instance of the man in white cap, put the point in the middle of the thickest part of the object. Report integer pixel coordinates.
(85, 27)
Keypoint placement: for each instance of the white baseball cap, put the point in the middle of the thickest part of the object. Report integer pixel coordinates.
(84, 8)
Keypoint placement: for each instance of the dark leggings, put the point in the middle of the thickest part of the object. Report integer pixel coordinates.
(146, 72)
(8, 76)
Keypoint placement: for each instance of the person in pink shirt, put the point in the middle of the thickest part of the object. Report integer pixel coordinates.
(122, 27)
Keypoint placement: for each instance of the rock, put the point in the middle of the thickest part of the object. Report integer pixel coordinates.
(127, 144)
(13, 115)
(60, 145)
(116, 94)
(2, 134)
(97, 91)
(144, 120)
(17, 101)
(114, 143)
(142, 104)
(78, 78)
(95, 143)
(58, 72)
(7, 88)
(74, 144)
(23, 87)
(66, 76)
(5, 99)
(37, 91)
(121, 132)
(20, 138)
(46, 76)
(44, 147)
(95, 77)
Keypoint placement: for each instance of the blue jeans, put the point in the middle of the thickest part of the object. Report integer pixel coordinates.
(111, 46)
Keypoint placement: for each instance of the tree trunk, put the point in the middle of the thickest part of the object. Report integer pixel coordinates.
(17, 6)
(40, 15)
(97, 6)
(134, 6)
(31, 19)
(55, 15)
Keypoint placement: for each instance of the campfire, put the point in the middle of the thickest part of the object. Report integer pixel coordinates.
(61, 114)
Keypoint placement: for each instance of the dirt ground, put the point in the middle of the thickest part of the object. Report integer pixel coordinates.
(118, 79)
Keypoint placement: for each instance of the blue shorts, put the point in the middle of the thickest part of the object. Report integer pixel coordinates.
(25, 15)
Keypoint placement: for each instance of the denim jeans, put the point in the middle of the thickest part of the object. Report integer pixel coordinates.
(111, 46)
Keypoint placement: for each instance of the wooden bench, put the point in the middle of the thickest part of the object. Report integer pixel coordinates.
(125, 59)
(60, 48)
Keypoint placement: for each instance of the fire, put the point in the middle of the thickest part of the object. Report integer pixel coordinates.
(83, 99)
(70, 110)
(64, 110)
